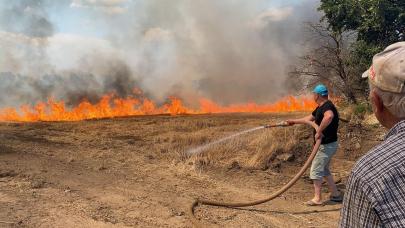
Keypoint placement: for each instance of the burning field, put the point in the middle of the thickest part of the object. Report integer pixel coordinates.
(110, 107)
(107, 108)
(135, 172)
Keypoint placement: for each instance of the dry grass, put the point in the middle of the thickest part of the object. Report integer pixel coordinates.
(171, 137)
(257, 150)
(166, 137)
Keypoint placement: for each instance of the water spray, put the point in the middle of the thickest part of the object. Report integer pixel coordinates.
(198, 202)
(201, 149)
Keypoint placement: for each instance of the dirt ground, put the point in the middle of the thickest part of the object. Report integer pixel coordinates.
(133, 172)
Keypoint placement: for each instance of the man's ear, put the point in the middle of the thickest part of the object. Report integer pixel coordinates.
(378, 104)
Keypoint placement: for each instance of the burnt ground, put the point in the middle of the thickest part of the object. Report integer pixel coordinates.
(131, 172)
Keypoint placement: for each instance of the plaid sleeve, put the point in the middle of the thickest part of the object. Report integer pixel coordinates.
(390, 196)
(375, 191)
(357, 210)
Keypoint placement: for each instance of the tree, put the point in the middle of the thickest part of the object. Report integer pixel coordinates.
(378, 23)
(329, 61)
(351, 32)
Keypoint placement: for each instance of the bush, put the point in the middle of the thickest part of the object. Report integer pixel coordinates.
(361, 109)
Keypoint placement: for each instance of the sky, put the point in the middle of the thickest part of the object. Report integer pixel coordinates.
(230, 50)
(77, 16)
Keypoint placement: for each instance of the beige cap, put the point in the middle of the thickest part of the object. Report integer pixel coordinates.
(388, 69)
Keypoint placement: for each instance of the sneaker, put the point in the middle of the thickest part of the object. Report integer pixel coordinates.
(337, 199)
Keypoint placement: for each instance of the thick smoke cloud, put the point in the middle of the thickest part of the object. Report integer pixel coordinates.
(72, 87)
(37, 64)
(229, 51)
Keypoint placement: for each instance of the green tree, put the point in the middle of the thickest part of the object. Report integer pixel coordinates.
(378, 23)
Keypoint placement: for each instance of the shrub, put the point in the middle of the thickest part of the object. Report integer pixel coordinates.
(361, 109)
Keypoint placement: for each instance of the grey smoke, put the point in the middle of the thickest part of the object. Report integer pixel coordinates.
(24, 29)
(27, 74)
(229, 51)
(27, 17)
(72, 87)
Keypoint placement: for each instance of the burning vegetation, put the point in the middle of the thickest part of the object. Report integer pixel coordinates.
(110, 106)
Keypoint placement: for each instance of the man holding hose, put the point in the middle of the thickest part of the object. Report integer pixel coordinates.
(327, 118)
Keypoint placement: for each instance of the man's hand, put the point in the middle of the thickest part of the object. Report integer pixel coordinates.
(290, 122)
(318, 135)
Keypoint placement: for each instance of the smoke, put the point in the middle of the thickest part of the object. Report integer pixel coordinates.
(36, 63)
(229, 51)
(27, 17)
(23, 36)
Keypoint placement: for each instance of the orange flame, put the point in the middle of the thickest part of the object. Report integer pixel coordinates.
(109, 106)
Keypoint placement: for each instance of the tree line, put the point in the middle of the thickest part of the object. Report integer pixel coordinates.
(346, 38)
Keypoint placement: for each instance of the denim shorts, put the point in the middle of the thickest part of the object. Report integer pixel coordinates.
(320, 164)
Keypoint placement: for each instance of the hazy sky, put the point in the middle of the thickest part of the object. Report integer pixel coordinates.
(77, 16)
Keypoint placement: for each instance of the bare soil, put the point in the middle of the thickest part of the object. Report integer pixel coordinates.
(133, 172)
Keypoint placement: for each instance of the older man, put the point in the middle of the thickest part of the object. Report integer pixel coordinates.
(375, 192)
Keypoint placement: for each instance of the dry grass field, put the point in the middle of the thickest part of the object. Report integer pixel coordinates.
(135, 172)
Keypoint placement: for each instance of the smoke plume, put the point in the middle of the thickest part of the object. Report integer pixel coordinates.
(229, 51)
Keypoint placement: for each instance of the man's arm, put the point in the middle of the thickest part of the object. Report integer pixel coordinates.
(301, 120)
(327, 119)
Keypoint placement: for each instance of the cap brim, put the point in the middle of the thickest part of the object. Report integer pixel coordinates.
(365, 74)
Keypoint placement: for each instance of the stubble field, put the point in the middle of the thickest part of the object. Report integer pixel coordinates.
(136, 172)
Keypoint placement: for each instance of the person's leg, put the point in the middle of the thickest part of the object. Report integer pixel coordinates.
(316, 175)
(320, 169)
(318, 189)
(330, 150)
(332, 186)
(329, 180)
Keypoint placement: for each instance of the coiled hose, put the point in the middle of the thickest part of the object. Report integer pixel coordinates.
(283, 189)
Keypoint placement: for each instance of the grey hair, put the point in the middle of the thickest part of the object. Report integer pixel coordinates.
(394, 102)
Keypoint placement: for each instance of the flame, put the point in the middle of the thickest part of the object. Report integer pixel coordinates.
(110, 106)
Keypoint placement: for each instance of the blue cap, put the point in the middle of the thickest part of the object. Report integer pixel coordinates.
(321, 90)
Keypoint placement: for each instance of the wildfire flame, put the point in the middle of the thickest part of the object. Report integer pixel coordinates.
(109, 106)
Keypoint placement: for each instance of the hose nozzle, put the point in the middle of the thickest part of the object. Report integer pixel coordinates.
(280, 124)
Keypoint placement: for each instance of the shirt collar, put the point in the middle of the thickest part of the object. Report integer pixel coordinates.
(399, 127)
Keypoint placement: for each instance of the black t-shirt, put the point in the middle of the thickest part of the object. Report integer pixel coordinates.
(330, 132)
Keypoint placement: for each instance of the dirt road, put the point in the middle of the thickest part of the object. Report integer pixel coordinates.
(129, 173)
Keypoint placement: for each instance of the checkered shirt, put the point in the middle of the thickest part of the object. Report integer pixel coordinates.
(375, 192)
